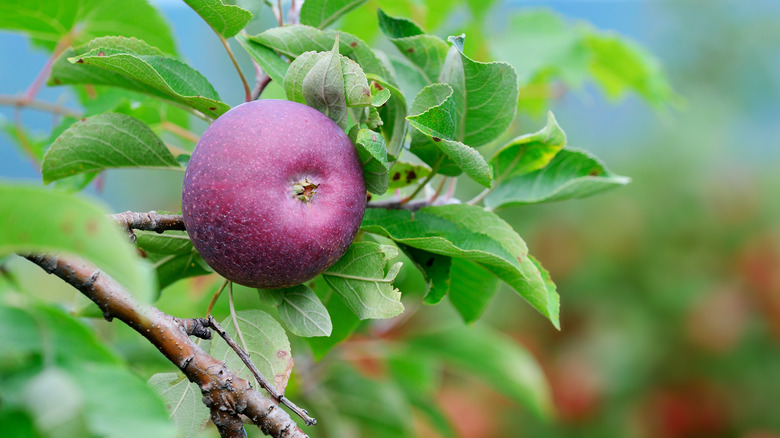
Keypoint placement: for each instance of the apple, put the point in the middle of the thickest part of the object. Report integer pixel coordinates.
(273, 194)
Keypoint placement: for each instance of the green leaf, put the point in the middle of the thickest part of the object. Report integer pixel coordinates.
(328, 82)
(619, 65)
(323, 13)
(359, 278)
(303, 313)
(294, 40)
(183, 401)
(439, 125)
(539, 42)
(69, 342)
(426, 52)
(266, 343)
(373, 155)
(435, 269)
(571, 174)
(172, 255)
(471, 288)
(115, 61)
(375, 405)
(151, 111)
(484, 95)
(37, 220)
(323, 86)
(343, 319)
(49, 21)
(403, 174)
(496, 358)
(269, 60)
(105, 141)
(226, 20)
(393, 114)
(379, 94)
(472, 233)
(293, 79)
(529, 152)
(138, 412)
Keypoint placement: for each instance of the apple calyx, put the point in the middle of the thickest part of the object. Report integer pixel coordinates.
(304, 190)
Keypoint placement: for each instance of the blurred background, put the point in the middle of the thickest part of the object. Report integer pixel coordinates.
(670, 286)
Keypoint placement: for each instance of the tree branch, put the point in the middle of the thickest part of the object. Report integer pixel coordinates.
(310, 421)
(224, 393)
(151, 221)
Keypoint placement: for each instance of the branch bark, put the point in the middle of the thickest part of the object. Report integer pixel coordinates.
(224, 393)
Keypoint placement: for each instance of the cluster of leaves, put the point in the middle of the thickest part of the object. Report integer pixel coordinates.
(412, 118)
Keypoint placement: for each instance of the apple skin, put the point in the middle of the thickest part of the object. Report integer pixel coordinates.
(246, 187)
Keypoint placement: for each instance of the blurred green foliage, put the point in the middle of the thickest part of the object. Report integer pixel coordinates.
(670, 287)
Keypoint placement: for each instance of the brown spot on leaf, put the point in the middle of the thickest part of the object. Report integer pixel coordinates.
(410, 50)
(57, 81)
(212, 108)
(101, 53)
(67, 226)
(281, 379)
(377, 86)
(411, 176)
(93, 227)
(594, 172)
(353, 44)
(368, 196)
(436, 139)
(396, 176)
(80, 61)
(83, 119)
(373, 137)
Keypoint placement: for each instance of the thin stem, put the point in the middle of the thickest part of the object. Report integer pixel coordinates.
(292, 14)
(258, 375)
(179, 131)
(176, 151)
(39, 105)
(451, 189)
(247, 91)
(430, 176)
(481, 196)
(234, 318)
(281, 18)
(39, 80)
(215, 298)
(262, 81)
(438, 189)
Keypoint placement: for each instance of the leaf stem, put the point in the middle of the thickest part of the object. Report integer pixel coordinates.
(430, 176)
(234, 318)
(247, 91)
(281, 14)
(179, 131)
(215, 298)
(481, 196)
(310, 421)
(438, 189)
(19, 101)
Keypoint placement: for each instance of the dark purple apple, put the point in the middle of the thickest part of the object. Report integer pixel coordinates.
(273, 194)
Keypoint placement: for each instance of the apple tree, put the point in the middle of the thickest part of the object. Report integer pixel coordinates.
(429, 125)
